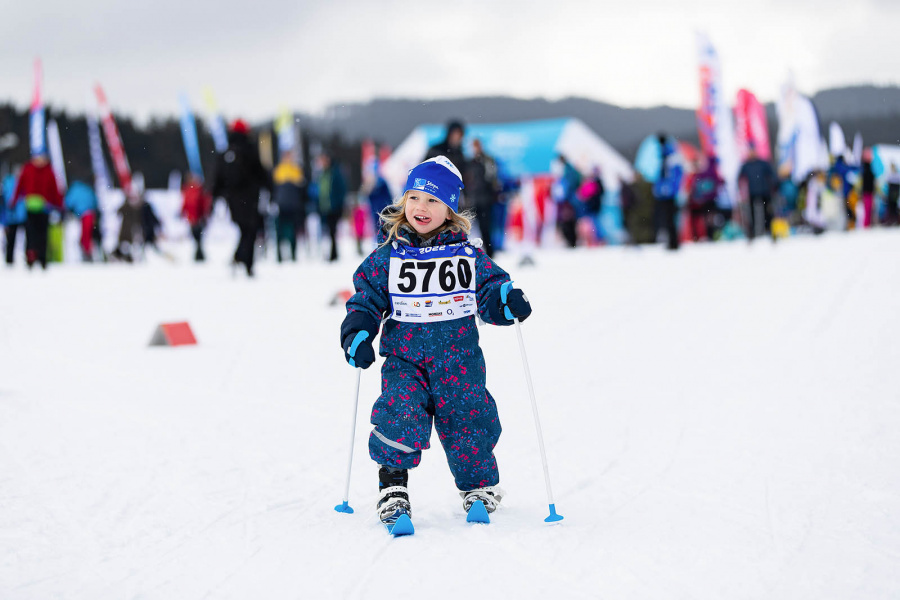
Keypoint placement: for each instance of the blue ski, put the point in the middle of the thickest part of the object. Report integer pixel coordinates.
(402, 526)
(478, 513)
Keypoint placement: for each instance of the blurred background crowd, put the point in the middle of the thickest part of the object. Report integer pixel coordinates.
(747, 171)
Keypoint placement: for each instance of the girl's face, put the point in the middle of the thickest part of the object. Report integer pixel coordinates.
(425, 212)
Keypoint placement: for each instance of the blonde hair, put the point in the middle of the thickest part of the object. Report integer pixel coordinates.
(394, 218)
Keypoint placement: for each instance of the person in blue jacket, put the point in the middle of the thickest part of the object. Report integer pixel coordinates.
(423, 287)
(379, 198)
(13, 217)
(81, 201)
(665, 190)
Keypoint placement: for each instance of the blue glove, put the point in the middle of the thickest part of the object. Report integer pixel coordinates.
(513, 303)
(357, 333)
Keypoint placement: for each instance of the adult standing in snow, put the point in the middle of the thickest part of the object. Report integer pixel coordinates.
(761, 182)
(332, 189)
(665, 191)
(289, 195)
(379, 197)
(867, 185)
(151, 228)
(591, 193)
(892, 197)
(812, 212)
(239, 178)
(451, 146)
(131, 212)
(703, 190)
(483, 189)
(628, 201)
(839, 176)
(196, 207)
(13, 217)
(82, 202)
(565, 192)
(37, 188)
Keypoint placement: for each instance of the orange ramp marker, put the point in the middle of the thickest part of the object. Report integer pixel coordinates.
(173, 334)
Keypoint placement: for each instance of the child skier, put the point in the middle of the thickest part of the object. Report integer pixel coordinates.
(425, 282)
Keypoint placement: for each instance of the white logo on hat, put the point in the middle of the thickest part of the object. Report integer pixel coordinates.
(447, 164)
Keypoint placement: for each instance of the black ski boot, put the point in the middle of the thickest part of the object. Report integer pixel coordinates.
(394, 499)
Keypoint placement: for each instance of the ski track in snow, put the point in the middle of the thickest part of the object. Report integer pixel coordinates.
(720, 423)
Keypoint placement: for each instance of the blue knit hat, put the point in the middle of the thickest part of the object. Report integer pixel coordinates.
(438, 177)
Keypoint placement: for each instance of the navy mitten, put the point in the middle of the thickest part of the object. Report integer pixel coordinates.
(358, 331)
(511, 304)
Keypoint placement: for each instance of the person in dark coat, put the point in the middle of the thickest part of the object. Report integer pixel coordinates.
(483, 189)
(290, 197)
(240, 176)
(703, 189)
(332, 189)
(628, 201)
(151, 227)
(130, 212)
(867, 188)
(451, 146)
(892, 197)
(567, 202)
(761, 182)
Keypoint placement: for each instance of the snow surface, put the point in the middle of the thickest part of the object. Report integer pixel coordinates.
(723, 422)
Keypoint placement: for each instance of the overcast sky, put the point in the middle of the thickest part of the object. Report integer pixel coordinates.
(260, 55)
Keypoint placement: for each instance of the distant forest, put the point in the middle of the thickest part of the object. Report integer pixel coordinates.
(157, 148)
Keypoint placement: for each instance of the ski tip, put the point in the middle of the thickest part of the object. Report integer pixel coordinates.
(478, 513)
(344, 508)
(403, 526)
(554, 517)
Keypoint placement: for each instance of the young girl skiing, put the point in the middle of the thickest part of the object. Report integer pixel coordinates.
(425, 283)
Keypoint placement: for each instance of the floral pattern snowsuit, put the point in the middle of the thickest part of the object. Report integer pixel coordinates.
(433, 372)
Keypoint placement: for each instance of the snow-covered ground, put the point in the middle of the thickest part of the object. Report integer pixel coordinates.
(723, 422)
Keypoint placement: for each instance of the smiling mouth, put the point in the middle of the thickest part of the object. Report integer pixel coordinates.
(422, 220)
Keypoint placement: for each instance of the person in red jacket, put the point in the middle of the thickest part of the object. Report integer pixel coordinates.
(196, 209)
(38, 190)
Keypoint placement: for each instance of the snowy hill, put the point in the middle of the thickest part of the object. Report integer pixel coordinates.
(720, 423)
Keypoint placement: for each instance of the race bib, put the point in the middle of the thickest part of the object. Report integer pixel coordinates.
(432, 284)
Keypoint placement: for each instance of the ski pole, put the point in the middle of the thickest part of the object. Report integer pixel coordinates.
(345, 507)
(554, 517)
